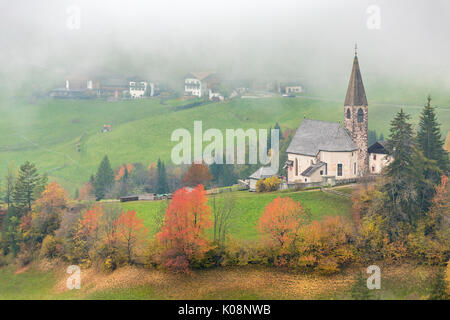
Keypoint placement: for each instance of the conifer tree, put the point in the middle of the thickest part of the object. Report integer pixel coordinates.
(26, 186)
(104, 179)
(162, 186)
(429, 139)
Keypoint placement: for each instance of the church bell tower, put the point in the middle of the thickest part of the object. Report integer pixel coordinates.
(356, 114)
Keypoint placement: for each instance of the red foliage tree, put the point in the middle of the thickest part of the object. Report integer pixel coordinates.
(183, 232)
(130, 230)
(198, 173)
(280, 221)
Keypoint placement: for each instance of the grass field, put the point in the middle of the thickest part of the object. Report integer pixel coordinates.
(63, 136)
(249, 207)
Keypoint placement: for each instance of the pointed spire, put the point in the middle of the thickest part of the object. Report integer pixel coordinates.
(356, 96)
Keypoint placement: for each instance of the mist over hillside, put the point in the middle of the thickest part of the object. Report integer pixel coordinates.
(405, 41)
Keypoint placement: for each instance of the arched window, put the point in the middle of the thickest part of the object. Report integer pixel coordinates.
(348, 113)
(360, 115)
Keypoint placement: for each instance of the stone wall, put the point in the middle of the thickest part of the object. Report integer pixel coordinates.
(359, 132)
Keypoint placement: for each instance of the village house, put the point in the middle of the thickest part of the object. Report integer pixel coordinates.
(289, 87)
(378, 157)
(261, 173)
(138, 88)
(199, 84)
(322, 150)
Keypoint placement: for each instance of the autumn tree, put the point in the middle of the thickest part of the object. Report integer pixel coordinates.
(223, 210)
(198, 173)
(47, 211)
(130, 230)
(183, 233)
(280, 222)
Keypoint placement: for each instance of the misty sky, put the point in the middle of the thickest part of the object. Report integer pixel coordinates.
(240, 38)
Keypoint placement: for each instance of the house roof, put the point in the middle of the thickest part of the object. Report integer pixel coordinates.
(356, 96)
(313, 136)
(200, 75)
(378, 147)
(263, 172)
(312, 168)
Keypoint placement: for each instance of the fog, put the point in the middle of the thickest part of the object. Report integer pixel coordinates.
(158, 39)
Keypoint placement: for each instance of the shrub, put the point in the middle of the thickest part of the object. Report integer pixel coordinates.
(49, 248)
(260, 186)
(272, 183)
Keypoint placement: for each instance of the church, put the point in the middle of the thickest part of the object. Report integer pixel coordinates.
(322, 150)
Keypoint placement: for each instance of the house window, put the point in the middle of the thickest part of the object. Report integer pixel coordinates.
(326, 168)
(321, 172)
(373, 169)
(354, 167)
(306, 180)
(339, 170)
(374, 157)
(296, 167)
(348, 113)
(360, 115)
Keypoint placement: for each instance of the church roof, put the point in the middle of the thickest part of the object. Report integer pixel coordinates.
(356, 96)
(312, 168)
(313, 136)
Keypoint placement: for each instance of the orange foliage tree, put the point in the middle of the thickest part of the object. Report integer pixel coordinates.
(130, 231)
(280, 222)
(198, 173)
(326, 245)
(183, 232)
(121, 171)
(46, 214)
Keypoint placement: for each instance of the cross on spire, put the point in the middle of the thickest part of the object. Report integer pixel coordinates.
(356, 49)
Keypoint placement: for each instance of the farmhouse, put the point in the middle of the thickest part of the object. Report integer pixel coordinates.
(198, 84)
(138, 88)
(321, 150)
(378, 157)
(261, 173)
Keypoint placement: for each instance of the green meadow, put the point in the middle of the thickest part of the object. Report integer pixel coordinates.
(249, 207)
(64, 139)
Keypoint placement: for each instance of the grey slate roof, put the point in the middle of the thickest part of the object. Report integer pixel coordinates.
(356, 96)
(312, 168)
(313, 136)
(263, 173)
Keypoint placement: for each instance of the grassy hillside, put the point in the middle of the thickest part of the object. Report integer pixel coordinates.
(399, 282)
(63, 137)
(250, 207)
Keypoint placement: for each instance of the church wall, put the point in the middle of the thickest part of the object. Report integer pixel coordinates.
(347, 159)
(303, 163)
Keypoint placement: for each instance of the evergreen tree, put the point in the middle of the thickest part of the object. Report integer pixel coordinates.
(372, 137)
(11, 236)
(8, 185)
(381, 138)
(26, 187)
(429, 138)
(439, 286)
(401, 186)
(359, 290)
(162, 186)
(104, 179)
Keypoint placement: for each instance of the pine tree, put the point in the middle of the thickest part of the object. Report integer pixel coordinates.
(359, 290)
(162, 186)
(26, 186)
(439, 286)
(381, 138)
(429, 138)
(401, 204)
(8, 186)
(372, 137)
(104, 179)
